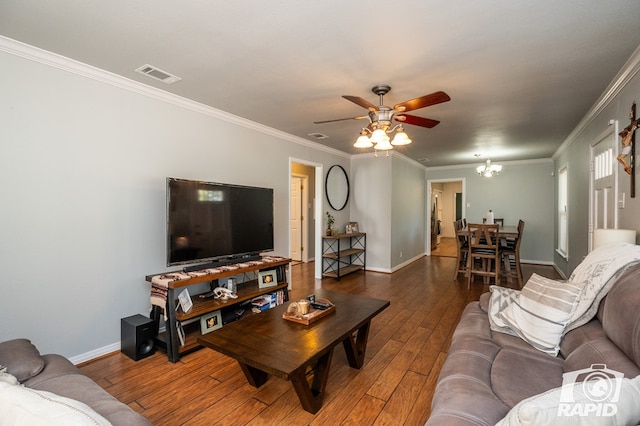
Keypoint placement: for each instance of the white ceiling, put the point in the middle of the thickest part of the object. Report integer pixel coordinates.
(521, 74)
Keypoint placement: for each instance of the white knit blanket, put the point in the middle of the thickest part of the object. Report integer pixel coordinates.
(599, 271)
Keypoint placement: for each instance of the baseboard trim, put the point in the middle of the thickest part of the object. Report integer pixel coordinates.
(96, 353)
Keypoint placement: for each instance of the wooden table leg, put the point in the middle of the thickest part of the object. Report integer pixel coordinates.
(356, 347)
(254, 376)
(312, 396)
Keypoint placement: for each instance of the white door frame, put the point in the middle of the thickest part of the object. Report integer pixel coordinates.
(316, 208)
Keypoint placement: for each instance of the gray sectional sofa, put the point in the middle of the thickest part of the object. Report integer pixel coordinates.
(487, 373)
(58, 386)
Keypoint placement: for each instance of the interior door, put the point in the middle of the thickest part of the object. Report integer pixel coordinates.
(296, 218)
(604, 213)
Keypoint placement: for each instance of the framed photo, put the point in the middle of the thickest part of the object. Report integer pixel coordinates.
(267, 279)
(352, 228)
(211, 321)
(185, 300)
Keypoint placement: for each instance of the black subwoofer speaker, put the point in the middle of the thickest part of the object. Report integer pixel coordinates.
(136, 337)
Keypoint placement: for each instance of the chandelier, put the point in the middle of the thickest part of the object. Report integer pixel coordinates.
(488, 169)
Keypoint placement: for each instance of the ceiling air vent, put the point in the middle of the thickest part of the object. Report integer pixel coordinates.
(158, 74)
(318, 135)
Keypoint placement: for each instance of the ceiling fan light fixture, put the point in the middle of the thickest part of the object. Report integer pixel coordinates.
(401, 138)
(381, 117)
(384, 144)
(363, 141)
(378, 136)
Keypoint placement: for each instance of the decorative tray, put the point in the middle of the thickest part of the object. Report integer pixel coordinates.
(311, 317)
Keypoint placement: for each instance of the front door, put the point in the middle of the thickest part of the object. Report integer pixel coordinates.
(604, 212)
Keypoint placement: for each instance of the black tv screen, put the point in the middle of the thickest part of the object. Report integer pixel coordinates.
(209, 221)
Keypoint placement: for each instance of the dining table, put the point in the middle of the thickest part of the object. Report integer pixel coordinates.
(504, 232)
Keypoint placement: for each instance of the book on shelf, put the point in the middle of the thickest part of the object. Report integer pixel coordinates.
(180, 332)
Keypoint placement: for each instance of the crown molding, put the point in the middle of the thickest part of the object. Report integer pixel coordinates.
(629, 70)
(54, 60)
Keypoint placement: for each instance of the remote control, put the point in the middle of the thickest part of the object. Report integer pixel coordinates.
(320, 305)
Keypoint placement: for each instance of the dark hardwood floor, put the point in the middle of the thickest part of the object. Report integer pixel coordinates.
(407, 346)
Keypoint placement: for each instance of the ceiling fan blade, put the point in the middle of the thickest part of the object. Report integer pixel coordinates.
(417, 121)
(361, 102)
(422, 101)
(360, 117)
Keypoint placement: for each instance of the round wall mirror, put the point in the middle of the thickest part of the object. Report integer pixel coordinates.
(336, 186)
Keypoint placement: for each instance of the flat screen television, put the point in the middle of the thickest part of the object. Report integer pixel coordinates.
(217, 223)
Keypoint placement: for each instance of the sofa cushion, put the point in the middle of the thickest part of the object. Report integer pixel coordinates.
(552, 407)
(464, 394)
(54, 366)
(22, 405)
(601, 351)
(541, 312)
(516, 375)
(621, 316)
(473, 322)
(21, 358)
(576, 337)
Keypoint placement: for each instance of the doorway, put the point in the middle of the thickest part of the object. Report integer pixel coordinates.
(305, 204)
(446, 205)
(299, 216)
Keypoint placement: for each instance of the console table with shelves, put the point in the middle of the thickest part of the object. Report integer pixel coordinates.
(189, 321)
(343, 254)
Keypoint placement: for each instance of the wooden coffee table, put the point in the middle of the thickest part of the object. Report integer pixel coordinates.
(266, 344)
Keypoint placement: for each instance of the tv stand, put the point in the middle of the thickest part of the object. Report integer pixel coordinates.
(189, 321)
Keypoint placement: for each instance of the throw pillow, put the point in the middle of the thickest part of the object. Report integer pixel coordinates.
(21, 358)
(541, 312)
(500, 298)
(580, 404)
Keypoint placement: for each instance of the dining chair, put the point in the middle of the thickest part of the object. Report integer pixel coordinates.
(510, 254)
(462, 246)
(484, 252)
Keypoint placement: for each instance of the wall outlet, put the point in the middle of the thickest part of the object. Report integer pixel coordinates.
(400, 254)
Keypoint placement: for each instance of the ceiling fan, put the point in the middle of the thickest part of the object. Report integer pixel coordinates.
(381, 116)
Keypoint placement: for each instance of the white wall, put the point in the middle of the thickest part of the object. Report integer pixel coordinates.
(83, 192)
(370, 206)
(408, 211)
(388, 203)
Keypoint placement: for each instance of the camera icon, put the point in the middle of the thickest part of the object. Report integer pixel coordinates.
(597, 384)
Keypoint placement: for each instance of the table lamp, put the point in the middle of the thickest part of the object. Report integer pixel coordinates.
(603, 237)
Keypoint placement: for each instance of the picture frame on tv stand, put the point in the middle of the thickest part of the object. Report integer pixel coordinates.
(267, 279)
(211, 321)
